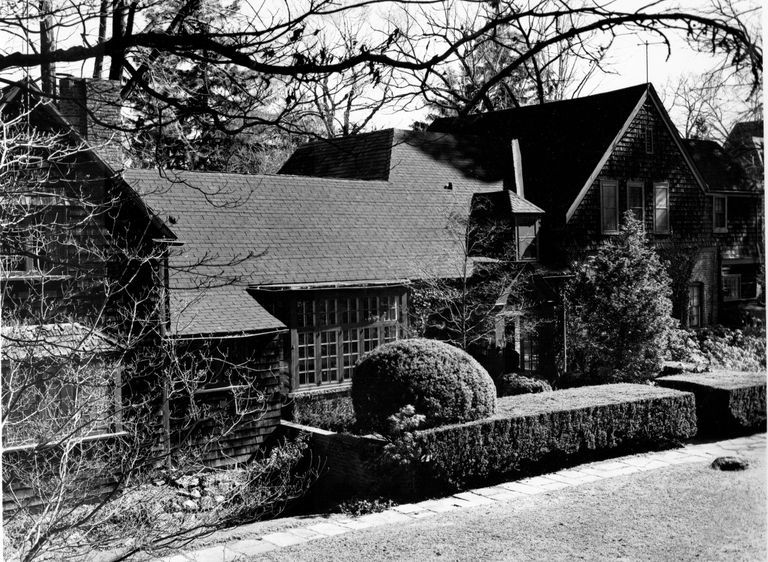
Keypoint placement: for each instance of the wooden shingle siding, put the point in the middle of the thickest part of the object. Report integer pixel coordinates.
(690, 209)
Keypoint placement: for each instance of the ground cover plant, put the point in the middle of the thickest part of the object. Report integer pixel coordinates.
(718, 347)
(332, 413)
(442, 383)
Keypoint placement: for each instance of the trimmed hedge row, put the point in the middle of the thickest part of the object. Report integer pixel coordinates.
(727, 402)
(530, 428)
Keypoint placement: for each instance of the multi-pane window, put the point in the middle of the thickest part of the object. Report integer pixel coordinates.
(661, 207)
(350, 352)
(731, 287)
(529, 353)
(329, 355)
(609, 206)
(720, 213)
(306, 358)
(695, 302)
(332, 334)
(635, 200)
(370, 338)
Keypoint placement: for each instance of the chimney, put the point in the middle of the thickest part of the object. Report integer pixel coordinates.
(517, 162)
(92, 107)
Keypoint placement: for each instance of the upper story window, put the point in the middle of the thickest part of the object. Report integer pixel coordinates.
(636, 199)
(527, 230)
(649, 137)
(661, 207)
(720, 213)
(609, 206)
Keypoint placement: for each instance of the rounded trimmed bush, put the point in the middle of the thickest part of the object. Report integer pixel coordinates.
(442, 382)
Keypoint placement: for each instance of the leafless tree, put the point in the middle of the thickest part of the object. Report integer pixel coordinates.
(287, 44)
(95, 400)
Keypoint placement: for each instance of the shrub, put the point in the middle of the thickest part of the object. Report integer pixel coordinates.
(619, 310)
(721, 348)
(531, 429)
(512, 384)
(442, 383)
(332, 413)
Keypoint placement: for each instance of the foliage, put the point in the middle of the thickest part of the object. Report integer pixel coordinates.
(175, 504)
(355, 507)
(532, 429)
(618, 309)
(441, 382)
(723, 348)
(512, 384)
(332, 413)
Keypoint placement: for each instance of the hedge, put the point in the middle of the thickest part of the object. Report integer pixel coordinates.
(727, 402)
(528, 429)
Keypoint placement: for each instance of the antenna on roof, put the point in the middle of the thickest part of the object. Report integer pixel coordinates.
(646, 43)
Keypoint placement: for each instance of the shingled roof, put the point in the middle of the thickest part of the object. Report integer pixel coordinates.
(720, 171)
(561, 143)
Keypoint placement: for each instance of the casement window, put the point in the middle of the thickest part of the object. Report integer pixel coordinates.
(636, 199)
(661, 207)
(695, 305)
(333, 333)
(527, 230)
(720, 213)
(731, 287)
(609, 206)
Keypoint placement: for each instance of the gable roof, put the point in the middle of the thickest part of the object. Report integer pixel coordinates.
(241, 231)
(563, 144)
(50, 114)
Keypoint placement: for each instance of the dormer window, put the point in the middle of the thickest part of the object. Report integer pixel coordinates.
(527, 229)
(609, 206)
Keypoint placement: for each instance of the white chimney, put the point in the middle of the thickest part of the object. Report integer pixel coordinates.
(517, 162)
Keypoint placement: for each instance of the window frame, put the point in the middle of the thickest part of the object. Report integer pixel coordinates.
(362, 322)
(715, 228)
(605, 184)
(737, 278)
(641, 185)
(656, 228)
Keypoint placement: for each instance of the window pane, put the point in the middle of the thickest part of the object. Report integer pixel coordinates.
(328, 356)
(694, 306)
(370, 339)
(370, 310)
(609, 206)
(306, 353)
(731, 287)
(350, 349)
(635, 199)
(305, 313)
(661, 208)
(350, 312)
(326, 312)
(720, 218)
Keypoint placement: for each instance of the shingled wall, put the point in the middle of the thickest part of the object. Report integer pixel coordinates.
(690, 208)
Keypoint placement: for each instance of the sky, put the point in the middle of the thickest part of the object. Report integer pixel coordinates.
(626, 61)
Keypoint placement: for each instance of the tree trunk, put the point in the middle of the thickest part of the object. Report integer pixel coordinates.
(47, 44)
(98, 63)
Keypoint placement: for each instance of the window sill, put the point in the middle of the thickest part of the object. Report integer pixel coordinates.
(321, 389)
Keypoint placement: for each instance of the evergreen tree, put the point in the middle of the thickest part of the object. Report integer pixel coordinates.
(619, 311)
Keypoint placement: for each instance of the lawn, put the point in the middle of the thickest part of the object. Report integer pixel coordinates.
(683, 512)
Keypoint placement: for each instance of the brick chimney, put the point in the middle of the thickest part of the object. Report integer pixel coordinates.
(92, 107)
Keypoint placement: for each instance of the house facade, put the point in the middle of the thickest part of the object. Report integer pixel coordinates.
(281, 283)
